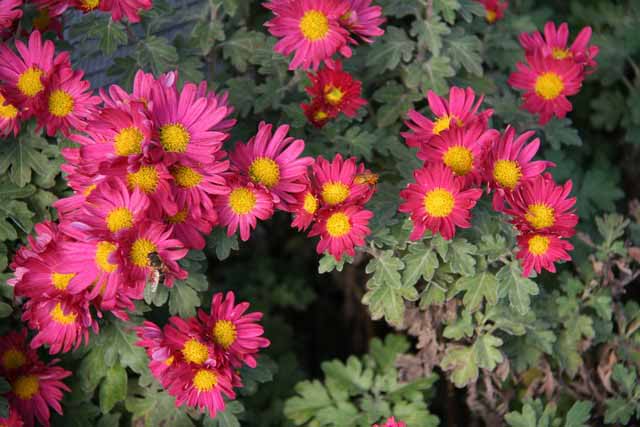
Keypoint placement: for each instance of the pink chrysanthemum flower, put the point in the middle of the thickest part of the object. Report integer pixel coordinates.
(317, 113)
(201, 387)
(69, 103)
(458, 111)
(542, 206)
(539, 250)
(194, 185)
(187, 339)
(273, 161)
(547, 83)
(244, 204)
(162, 358)
(37, 389)
(310, 29)
(363, 20)
(554, 44)
(184, 123)
(47, 275)
(341, 230)
(47, 235)
(461, 150)
(26, 76)
(148, 238)
(494, 9)
(437, 202)
(9, 118)
(305, 210)
(155, 181)
(236, 334)
(509, 162)
(13, 420)
(9, 12)
(62, 323)
(15, 354)
(189, 227)
(129, 8)
(337, 89)
(222, 100)
(336, 182)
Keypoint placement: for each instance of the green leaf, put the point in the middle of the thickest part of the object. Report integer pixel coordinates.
(429, 33)
(421, 261)
(483, 286)
(241, 48)
(392, 48)
(183, 299)
(526, 418)
(226, 418)
(312, 398)
(463, 327)
(113, 388)
(462, 362)
(5, 310)
(110, 420)
(517, 287)
(15, 217)
(397, 101)
(121, 339)
(579, 414)
(625, 378)
(351, 376)
(4, 407)
(435, 72)
(619, 410)
(157, 54)
(486, 349)
(464, 51)
(328, 263)
(385, 353)
(460, 257)
(447, 8)
(558, 132)
(110, 35)
(19, 157)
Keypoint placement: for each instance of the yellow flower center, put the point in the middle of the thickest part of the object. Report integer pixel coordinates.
(140, 251)
(26, 386)
(334, 193)
(128, 141)
(540, 215)
(538, 245)
(507, 173)
(314, 25)
(60, 281)
(338, 224)
(491, 16)
(549, 85)
(174, 138)
(13, 359)
(242, 200)
(459, 159)
(178, 218)
(195, 352)
(119, 219)
(145, 179)
(441, 124)
(265, 171)
(224, 333)
(30, 82)
(320, 115)
(333, 94)
(560, 53)
(205, 380)
(439, 203)
(88, 5)
(310, 204)
(104, 250)
(7, 111)
(60, 103)
(186, 177)
(59, 316)
(169, 361)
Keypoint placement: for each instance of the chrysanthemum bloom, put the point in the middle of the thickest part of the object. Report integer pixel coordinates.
(189, 227)
(193, 185)
(62, 322)
(304, 212)
(542, 206)
(335, 182)
(46, 275)
(147, 238)
(494, 9)
(129, 8)
(341, 230)
(15, 354)
(36, 390)
(201, 387)
(437, 202)
(9, 118)
(184, 123)
(554, 44)
(458, 111)
(69, 103)
(188, 338)
(539, 250)
(155, 181)
(273, 161)
(221, 100)
(363, 20)
(46, 235)
(244, 204)
(509, 163)
(310, 29)
(547, 83)
(235, 333)
(162, 358)
(112, 209)
(461, 150)
(337, 89)
(26, 76)
(13, 420)
(9, 12)
(318, 113)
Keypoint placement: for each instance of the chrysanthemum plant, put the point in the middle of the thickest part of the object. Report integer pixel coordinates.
(426, 149)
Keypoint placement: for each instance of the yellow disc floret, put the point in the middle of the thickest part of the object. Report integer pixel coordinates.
(174, 138)
(265, 171)
(60, 281)
(13, 359)
(195, 352)
(333, 94)
(549, 85)
(186, 177)
(146, 179)
(491, 16)
(310, 204)
(60, 103)
(334, 193)
(128, 141)
(507, 173)
(459, 159)
(441, 124)
(140, 251)
(439, 203)
(560, 53)
(88, 5)
(338, 224)
(104, 250)
(178, 218)
(58, 315)
(224, 333)
(119, 219)
(205, 380)
(7, 111)
(314, 25)
(540, 215)
(242, 200)
(30, 82)
(538, 245)
(26, 386)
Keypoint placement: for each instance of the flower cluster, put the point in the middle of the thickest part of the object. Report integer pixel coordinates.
(117, 8)
(461, 155)
(315, 30)
(332, 91)
(391, 422)
(35, 386)
(553, 71)
(197, 359)
(494, 9)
